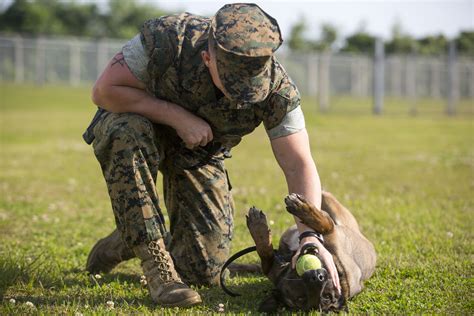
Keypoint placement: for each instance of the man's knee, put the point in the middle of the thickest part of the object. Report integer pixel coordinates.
(124, 132)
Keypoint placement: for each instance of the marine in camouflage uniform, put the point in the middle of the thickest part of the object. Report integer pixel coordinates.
(131, 149)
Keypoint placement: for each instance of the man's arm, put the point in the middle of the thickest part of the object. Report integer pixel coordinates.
(117, 90)
(294, 157)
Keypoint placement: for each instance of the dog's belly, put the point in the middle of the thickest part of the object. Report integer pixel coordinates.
(289, 241)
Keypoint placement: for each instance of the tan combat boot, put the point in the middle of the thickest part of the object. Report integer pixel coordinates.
(164, 284)
(107, 253)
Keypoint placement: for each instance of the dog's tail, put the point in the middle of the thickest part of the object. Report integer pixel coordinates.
(236, 268)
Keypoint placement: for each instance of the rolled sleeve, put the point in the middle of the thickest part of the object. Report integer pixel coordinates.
(292, 122)
(136, 58)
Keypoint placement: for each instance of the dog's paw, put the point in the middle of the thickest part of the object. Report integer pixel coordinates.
(258, 226)
(320, 221)
(256, 219)
(297, 205)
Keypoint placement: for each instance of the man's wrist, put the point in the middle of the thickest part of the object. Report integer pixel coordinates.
(310, 235)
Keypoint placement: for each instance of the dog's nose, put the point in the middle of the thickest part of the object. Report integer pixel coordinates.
(315, 276)
(322, 275)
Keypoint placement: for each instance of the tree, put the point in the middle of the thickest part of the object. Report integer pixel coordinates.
(28, 17)
(360, 42)
(401, 43)
(432, 45)
(465, 43)
(125, 17)
(328, 37)
(56, 17)
(297, 41)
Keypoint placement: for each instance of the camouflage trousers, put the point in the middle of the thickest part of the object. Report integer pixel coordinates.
(131, 150)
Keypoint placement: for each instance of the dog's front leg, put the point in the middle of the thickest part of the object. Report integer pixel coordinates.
(261, 234)
(318, 220)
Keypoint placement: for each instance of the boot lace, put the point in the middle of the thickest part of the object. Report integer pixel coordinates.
(162, 261)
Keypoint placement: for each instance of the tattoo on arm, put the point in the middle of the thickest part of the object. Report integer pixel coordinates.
(118, 59)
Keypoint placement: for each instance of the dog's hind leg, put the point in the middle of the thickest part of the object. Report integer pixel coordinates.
(258, 227)
(318, 220)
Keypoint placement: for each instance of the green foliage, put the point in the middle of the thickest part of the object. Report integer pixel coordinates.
(360, 42)
(433, 45)
(465, 43)
(400, 43)
(328, 37)
(299, 42)
(122, 19)
(408, 181)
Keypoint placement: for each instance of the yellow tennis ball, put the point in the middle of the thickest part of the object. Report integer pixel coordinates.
(307, 262)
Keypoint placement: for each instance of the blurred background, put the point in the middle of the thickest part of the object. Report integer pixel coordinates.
(371, 50)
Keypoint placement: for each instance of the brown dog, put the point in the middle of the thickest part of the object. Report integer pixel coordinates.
(354, 256)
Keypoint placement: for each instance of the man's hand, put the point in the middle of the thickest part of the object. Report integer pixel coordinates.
(193, 130)
(325, 256)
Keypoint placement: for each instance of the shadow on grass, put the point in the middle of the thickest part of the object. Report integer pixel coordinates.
(253, 291)
(53, 286)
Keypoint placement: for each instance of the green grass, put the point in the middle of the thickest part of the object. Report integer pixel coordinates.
(409, 180)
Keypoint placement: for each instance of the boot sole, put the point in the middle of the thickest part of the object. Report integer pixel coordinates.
(186, 303)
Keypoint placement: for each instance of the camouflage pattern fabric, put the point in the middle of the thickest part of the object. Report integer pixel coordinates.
(131, 150)
(246, 39)
(178, 75)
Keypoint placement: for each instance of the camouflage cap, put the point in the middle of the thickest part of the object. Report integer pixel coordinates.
(246, 39)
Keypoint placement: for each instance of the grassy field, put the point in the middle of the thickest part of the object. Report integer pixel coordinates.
(409, 180)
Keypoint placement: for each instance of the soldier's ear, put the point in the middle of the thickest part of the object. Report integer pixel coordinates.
(206, 57)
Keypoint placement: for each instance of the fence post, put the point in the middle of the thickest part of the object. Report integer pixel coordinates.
(324, 81)
(74, 63)
(410, 81)
(101, 56)
(357, 74)
(378, 76)
(40, 66)
(453, 82)
(311, 75)
(364, 72)
(435, 82)
(471, 80)
(395, 73)
(19, 60)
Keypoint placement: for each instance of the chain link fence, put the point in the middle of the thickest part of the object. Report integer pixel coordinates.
(73, 61)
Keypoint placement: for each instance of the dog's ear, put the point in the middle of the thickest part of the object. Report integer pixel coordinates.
(271, 304)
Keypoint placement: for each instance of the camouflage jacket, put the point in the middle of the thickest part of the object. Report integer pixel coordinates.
(178, 74)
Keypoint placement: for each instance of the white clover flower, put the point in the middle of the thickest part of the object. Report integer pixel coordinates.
(78, 314)
(30, 305)
(12, 301)
(143, 280)
(98, 276)
(110, 304)
(220, 308)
